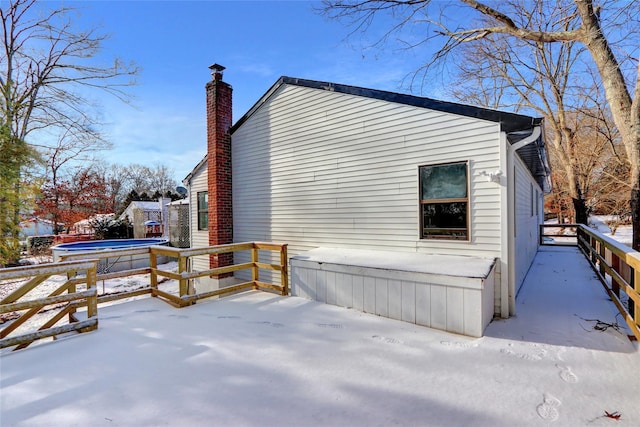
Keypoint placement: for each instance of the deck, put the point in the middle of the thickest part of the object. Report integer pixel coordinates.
(260, 359)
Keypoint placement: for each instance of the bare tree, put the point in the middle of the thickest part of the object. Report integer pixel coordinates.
(46, 68)
(608, 30)
(115, 181)
(528, 73)
(149, 179)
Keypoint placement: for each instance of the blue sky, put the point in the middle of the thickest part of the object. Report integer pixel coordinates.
(258, 41)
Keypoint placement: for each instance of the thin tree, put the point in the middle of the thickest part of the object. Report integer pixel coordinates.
(63, 159)
(608, 30)
(47, 67)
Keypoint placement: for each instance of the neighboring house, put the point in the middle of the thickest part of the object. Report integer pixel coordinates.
(35, 227)
(324, 165)
(140, 212)
(84, 226)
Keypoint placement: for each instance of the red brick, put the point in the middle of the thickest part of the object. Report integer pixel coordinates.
(219, 121)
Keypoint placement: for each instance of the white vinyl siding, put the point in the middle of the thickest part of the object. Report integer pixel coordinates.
(199, 238)
(527, 221)
(317, 168)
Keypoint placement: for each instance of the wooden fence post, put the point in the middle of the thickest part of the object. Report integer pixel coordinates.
(182, 267)
(71, 290)
(581, 239)
(541, 235)
(255, 271)
(284, 272)
(615, 265)
(602, 250)
(153, 264)
(92, 301)
(634, 306)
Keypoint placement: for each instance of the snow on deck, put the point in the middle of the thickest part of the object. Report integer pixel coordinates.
(256, 359)
(444, 265)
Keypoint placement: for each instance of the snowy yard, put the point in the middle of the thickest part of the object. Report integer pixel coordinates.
(622, 234)
(259, 359)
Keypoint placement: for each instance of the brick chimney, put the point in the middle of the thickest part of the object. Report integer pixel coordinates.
(219, 121)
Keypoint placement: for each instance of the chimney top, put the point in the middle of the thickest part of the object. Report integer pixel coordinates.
(216, 71)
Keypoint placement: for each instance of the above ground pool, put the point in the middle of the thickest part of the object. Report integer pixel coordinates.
(116, 263)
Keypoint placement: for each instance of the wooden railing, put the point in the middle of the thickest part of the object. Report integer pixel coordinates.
(80, 271)
(185, 274)
(64, 299)
(617, 266)
(186, 296)
(101, 257)
(566, 236)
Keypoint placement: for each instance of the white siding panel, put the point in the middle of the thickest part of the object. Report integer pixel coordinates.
(409, 302)
(317, 168)
(439, 307)
(472, 306)
(455, 310)
(382, 297)
(395, 299)
(321, 286)
(369, 294)
(423, 304)
(358, 293)
(199, 238)
(344, 290)
(330, 285)
(527, 221)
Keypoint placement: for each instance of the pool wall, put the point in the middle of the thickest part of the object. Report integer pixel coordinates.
(117, 261)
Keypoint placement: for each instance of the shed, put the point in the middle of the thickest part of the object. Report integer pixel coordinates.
(324, 165)
(178, 212)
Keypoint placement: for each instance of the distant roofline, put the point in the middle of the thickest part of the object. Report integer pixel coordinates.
(509, 122)
(187, 179)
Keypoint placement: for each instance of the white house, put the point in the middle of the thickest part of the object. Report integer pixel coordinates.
(35, 227)
(139, 213)
(337, 169)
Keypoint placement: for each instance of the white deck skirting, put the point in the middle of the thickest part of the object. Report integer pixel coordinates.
(452, 293)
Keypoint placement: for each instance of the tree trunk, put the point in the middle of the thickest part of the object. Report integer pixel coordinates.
(624, 108)
(581, 210)
(635, 216)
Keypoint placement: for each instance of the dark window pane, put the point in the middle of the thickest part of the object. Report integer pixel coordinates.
(448, 220)
(203, 210)
(203, 220)
(443, 181)
(203, 201)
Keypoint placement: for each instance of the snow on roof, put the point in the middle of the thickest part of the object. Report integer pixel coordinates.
(446, 265)
(146, 206)
(86, 221)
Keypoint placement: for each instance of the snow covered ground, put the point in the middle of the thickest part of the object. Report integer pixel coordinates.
(623, 233)
(257, 359)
